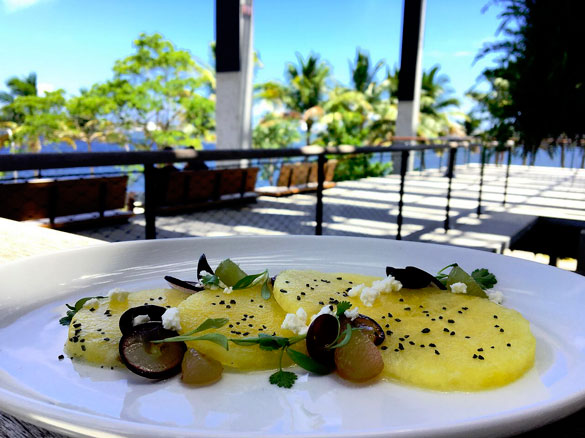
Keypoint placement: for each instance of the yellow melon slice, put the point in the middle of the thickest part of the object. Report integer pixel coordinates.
(249, 315)
(434, 339)
(94, 334)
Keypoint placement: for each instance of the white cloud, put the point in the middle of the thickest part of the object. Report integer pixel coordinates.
(16, 5)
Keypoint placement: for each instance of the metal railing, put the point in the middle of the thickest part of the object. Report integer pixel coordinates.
(148, 160)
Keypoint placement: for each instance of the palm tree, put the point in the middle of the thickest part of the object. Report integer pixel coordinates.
(26, 86)
(434, 103)
(303, 94)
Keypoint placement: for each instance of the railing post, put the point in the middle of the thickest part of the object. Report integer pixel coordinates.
(450, 172)
(149, 201)
(507, 175)
(483, 152)
(403, 168)
(321, 160)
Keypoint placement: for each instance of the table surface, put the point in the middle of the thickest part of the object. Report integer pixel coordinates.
(20, 240)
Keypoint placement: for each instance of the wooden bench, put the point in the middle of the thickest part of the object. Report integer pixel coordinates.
(66, 203)
(190, 190)
(296, 178)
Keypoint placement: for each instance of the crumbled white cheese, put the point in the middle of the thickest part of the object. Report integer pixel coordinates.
(296, 322)
(117, 295)
(459, 288)
(352, 313)
(325, 310)
(204, 273)
(387, 285)
(140, 319)
(228, 290)
(369, 294)
(171, 319)
(495, 296)
(356, 290)
(92, 303)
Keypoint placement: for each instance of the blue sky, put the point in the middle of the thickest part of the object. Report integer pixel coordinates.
(72, 44)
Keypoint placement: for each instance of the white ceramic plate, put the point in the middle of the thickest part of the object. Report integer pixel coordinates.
(89, 401)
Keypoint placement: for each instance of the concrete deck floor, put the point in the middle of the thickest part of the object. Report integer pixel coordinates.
(369, 208)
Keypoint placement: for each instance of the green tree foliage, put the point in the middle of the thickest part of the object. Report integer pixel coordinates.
(274, 131)
(434, 104)
(40, 119)
(157, 94)
(303, 93)
(539, 80)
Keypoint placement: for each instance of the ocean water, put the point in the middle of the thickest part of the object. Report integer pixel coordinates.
(573, 159)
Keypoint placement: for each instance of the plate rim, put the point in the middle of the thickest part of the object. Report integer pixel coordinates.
(41, 413)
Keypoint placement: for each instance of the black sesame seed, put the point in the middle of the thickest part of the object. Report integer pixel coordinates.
(286, 281)
(432, 345)
(425, 330)
(400, 346)
(303, 294)
(92, 309)
(106, 339)
(450, 321)
(282, 291)
(339, 278)
(389, 315)
(152, 299)
(401, 300)
(444, 308)
(222, 302)
(411, 343)
(227, 306)
(232, 301)
(389, 332)
(501, 330)
(508, 345)
(298, 298)
(440, 316)
(437, 352)
(402, 339)
(452, 334)
(83, 348)
(61, 357)
(495, 316)
(480, 349)
(467, 337)
(77, 325)
(480, 357)
(422, 345)
(407, 308)
(397, 319)
(446, 330)
(383, 347)
(496, 326)
(475, 356)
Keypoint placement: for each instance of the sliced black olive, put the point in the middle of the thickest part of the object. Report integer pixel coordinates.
(323, 332)
(184, 285)
(412, 277)
(373, 328)
(203, 265)
(127, 319)
(150, 360)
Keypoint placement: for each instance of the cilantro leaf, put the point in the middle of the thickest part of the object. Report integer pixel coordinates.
(283, 379)
(342, 307)
(484, 278)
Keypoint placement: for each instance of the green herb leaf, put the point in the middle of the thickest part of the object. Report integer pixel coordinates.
(484, 278)
(216, 338)
(248, 281)
(265, 342)
(345, 337)
(342, 307)
(210, 280)
(283, 379)
(208, 324)
(266, 290)
(66, 320)
(307, 362)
